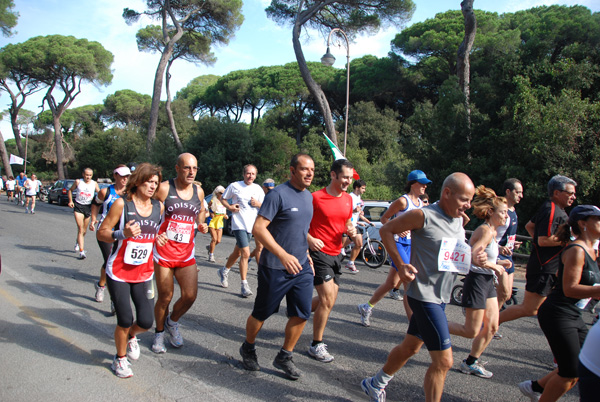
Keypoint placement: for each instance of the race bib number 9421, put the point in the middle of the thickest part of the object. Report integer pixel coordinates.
(454, 256)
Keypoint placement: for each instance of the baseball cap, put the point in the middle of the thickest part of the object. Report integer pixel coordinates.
(582, 212)
(418, 175)
(122, 171)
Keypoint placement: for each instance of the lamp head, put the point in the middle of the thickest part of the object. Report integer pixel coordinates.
(328, 59)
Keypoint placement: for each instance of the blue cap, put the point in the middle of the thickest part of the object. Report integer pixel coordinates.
(418, 175)
(582, 212)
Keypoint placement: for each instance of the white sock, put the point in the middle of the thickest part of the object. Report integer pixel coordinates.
(245, 281)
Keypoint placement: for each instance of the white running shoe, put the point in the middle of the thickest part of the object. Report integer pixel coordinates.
(133, 348)
(527, 390)
(320, 353)
(395, 294)
(375, 394)
(99, 292)
(121, 367)
(211, 258)
(365, 314)
(76, 247)
(475, 369)
(158, 346)
(351, 268)
(174, 336)
(82, 255)
(246, 290)
(223, 273)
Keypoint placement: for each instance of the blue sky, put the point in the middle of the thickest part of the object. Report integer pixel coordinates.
(259, 41)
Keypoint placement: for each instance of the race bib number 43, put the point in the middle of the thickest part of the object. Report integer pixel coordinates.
(137, 253)
(180, 232)
(454, 256)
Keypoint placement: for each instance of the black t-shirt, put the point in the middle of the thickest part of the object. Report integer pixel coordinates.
(290, 211)
(547, 220)
(590, 275)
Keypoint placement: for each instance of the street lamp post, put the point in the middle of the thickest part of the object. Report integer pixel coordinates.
(328, 60)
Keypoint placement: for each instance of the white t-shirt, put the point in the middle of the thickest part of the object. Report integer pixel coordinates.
(240, 193)
(589, 355)
(10, 185)
(356, 200)
(31, 187)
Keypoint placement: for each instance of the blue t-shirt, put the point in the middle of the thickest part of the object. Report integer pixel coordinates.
(290, 212)
(21, 180)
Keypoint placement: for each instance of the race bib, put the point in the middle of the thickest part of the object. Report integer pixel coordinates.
(510, 242)
(137, 253)
(181, 232)
(454, 256)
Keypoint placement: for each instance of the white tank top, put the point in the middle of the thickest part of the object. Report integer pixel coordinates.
(409, 207)
(85, 192)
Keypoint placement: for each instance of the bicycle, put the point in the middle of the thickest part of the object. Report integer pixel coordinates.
(372, 252)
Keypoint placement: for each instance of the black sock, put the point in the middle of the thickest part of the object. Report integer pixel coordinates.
(315, 343)
(395, 289)
(536, 387)
(470, 360)
(248, 346)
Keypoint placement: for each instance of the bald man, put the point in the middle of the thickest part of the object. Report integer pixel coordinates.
(437, 235)
(184, 206)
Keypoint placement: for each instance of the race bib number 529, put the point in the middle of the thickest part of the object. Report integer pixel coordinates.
(454, 256)
(137, 253)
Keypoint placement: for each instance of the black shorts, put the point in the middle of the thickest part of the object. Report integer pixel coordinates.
(477, 289)
(539, 283)
(275, 284)
(327, 267)
(565, 335)
(85, 210)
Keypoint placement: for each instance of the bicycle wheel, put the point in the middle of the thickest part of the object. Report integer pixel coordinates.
(374, 254)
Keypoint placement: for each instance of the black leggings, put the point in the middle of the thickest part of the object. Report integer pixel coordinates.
(121, 293)
(105, 248)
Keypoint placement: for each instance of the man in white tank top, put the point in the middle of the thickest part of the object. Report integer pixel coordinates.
(82, 206)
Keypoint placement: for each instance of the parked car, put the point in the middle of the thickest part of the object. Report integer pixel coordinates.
(226, 222)
(59, 192)
(373, 211)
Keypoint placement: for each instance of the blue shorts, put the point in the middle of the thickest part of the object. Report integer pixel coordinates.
(510, 270)
(275, 284)
(242, 238)
(403, 247)
(429, 324)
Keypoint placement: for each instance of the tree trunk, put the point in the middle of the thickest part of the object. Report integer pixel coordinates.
(463, 66)
(17, 134)
(60, 169)
(5, 160)
(169, 111)
(314, 88)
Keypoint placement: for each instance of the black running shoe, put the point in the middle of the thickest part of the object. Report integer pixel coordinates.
(286, 363)
(249, 359)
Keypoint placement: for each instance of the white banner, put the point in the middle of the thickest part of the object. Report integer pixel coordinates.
(15, 160)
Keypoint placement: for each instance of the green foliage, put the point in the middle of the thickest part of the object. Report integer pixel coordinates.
(127, 107)
(8, 17)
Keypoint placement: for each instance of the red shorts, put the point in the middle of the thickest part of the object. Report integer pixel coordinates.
(175, 264)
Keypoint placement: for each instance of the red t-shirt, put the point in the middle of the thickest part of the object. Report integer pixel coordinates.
(329, 219)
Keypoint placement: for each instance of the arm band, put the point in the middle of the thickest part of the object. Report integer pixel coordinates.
(118, 235)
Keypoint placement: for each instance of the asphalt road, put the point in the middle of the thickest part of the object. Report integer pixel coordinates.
(57, 342)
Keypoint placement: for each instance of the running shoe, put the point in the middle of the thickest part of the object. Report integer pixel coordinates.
(82, 255)
(113, 310)
(498, 336)
(351, 268)
(320, 353)
(343, 252)
(249, 359)
(174, 336)
(121, 367)
(365, 312)
(375, 394)
(223, 273)
(475, 369)
(159, 343)
(33, 211)
(286, 363)
(76, 247)
(26, 210)
(527, 390)
(246, 290)
(211, 258)
(99, 292)
(395, 294)
(133, 348)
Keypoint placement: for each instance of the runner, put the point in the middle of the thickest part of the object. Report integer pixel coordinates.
(284, 269)
(129, 268)
(507, 241)
(106, 198)
(11, 184)
(560, 315)
(436, 233)
(544, 258)
(31, 189)
(268, 185)
(82, 207)
(184, 206)
(21, 179)
(332, 213)
(479, 293)
(358, 188)
(246, 198)
(218, 213)
(415, 187)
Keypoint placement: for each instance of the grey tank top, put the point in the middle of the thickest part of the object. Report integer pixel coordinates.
(492, 256)
(431, 285)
